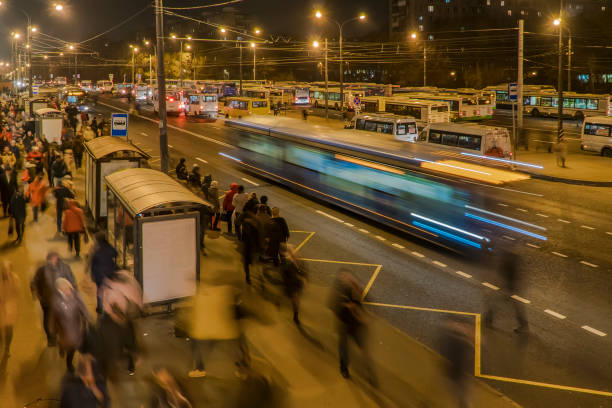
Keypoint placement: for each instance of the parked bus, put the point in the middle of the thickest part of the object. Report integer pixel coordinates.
(502, 100)
(575, 105)
(469, 137)
(401, 127)
(87, 85)
(424, 112)
(104, 86)
(174, 102)
(237, 107)
(317, 97)
(293, 94)
(201, 105)
(597, 135)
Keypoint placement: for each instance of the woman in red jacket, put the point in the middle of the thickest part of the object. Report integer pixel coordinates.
(73, 225)
(228, 208)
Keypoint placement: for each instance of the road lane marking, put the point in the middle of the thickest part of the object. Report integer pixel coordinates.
(170, 146)
(565, 221)
(249, 181)
(542, 215)
(534, 246)
(555, 314)
(440, 264)
(144, 134)
(559, 254)
(608, 232)
(310, 235)
(520, 299)
(328, 216)
(365, 231)
(202, 160)
(502, 204)
(348, 224)
(465, 275)
(370, 282)
(398, 246)
(378, 237)
(509, 238)
(589, 264)
(504, 217)
(417, 254)
(522, 210)
(587, 227)
(490, 285)
(594, 331)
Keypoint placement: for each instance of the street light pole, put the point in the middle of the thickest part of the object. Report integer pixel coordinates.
(254, 62)
(181, 66)
(559, 74)
(29, 57)
(569, 61)
(161, 86)
(424, 63)
(133, 52)
(326, 85)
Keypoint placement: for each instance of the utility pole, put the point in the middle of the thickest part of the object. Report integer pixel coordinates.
(151, 70)
(341, 73)
(181, 66)
(424, 63)
(240, 45)
(161, 85)
(569, 63)
(326, 85)
(29, 58)
(519, 82)
(559, 74)
(254, 64)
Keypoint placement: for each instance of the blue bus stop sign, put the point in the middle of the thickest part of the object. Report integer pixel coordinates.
(513, 92)
(119, 124)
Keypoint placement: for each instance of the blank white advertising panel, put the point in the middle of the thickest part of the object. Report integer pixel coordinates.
(169, 252)
(107, 168)
(52, 129)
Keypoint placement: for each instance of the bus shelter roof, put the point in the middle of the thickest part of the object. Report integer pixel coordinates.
(141, 190)
(100, 147)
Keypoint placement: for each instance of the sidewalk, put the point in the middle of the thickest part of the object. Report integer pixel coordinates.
(290, 368)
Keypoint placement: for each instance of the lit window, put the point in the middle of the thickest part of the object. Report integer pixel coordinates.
(502, 3)
(421, 28)
(430, 8)
(539, 14)
(431, 37)
(447, 1)
(509, 12)
(603, 8)
(488, 2)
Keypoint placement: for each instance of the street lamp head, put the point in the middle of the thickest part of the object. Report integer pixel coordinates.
(16, 35)
(59, 7)
(223, 30)
(189, 37)
(188, 46)
(46, 57)
(413, 35)
(147, 43)
(173, 36)
(135, 49)
(257, 31)
(452, 73)
(61, 54)
(33, 29)
(362, 16)
(318, 14)
(557, 21)
(315, 44)
(71, 47)
(252, 45)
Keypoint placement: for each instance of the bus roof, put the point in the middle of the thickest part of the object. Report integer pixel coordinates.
(466, 128)
(243, 98)
(386, 117)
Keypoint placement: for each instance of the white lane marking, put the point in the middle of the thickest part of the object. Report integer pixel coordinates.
(398, 246)
(520, 299)
(328, 216)
(365, 231)
(533, 246)
(594, 331)
(555, 314)
(502, 188)
(559, 254)
(522, 210)
(608, 232)
(490, 285)
(417, 254)
(465, 275)
(542, 215)
(589, 264)
(504, 217)
(348, 224)
(378, 237)
(565, 221)
(144, 134)
(587, 227)
(502, 204)
(509, 238)
(440, 264)
(202, 160)
(249, 181)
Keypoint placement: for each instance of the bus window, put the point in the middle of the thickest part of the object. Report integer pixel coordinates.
(443, 108)
(370, 126)
(547, 102)
(568, 103)
(210, 98)
(449, 139)
(401, 129)
(454, 106)
(435, 137)
(469, 142)
(580, 103)
(406, 128)
(194, 99)
(597, 129)
(593, 104)
(360, 124)
(385, 128)
(260, 104)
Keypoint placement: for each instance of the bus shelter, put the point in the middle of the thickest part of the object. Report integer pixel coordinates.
(105, 155)
(49, 122)
(154, 224)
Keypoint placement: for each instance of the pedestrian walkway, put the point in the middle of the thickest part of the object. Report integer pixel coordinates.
(290, 367)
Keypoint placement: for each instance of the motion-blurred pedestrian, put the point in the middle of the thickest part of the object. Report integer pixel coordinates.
(346, 304)
(238, 202)
(561, 152)
(294, 277)
(103, 265)
(181, 170)
(9, 306)
(213, 198)
(37, 191)
(250, 242)
(8, 186)
(86, 387)
(278, 234)
(459, 350)
(73, 225)
(228, 206)
(62, 192)
(18, 212)
(166, 392)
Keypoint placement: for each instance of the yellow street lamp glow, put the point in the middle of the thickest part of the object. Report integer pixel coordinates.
(362, 16)
(173, 36)
(59, 7)
(16, 35)
(61, 54)
(131, 46)
(135, 49)
(452, 73)
(147, 43)
(27, 45)
(223, 30)
(188, 46)
(557, 22)
(315, 44)
(189, 37)
(413, 36)
(33, 29)
(71, 47)
(257, 31)
(46, 57)
(318, 14)
(252, 45)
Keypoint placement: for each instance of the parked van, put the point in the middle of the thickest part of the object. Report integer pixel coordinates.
(597, 135)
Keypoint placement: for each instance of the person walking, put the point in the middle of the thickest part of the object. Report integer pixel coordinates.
(9, 307)
(347, 306)
(103, 265)
(73, 225)
(238, 201)
(278, 234)
(18, 212)
(86, 387)
(561, 152)
(37, 191)
(59, 169)
(8, 186)
(459, 350)
(61, 193)
(294, 279)
(250, 242)
(43, 288)
(228, 207)
(181, 170)
(213, 198)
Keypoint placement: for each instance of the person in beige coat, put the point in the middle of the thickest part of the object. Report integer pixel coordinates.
(9, 306)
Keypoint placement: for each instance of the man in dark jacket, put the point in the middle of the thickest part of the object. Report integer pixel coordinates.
(103, 265)
(18, 212)
(59, 170)
(250, 244)
(86, 388)
(61, 193)
(8, 186)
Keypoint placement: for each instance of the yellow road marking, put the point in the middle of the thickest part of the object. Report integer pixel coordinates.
(546, 385)
(477, 345)
(426, 309)
(310, 235)
(371, 282)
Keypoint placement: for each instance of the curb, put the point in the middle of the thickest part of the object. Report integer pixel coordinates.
(590, 183)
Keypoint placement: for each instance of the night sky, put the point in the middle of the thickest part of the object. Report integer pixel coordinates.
(83, 19)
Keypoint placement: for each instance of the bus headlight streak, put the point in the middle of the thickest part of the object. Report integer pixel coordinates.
(447, 226)
(535, 166)
(504, 217)
(510, 227)
(230, 157)
(447, 234)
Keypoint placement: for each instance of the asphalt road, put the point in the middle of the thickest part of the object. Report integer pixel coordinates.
(565, 287)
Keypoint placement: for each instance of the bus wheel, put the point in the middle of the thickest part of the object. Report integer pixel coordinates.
(535, 113)
(606, 152)
(579, 116)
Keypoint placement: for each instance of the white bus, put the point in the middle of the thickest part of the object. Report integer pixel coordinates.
(461, 107)
(502, 100)
(424, 112)
(201, 105)
(293, 94)
(87, 85)
(317, 97)
(174, 102)
(470, 138)
(104, 86)
(575, 105)
(401, 127)
(597, 135)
